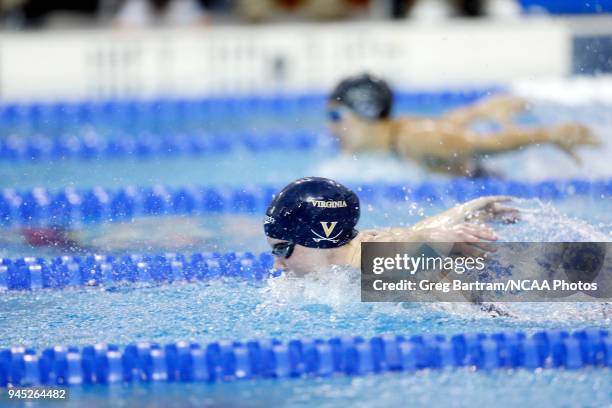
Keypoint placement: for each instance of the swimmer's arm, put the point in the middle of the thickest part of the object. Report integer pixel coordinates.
(469, 239)
(416, 232)
(427, 139)
(398, 234)
(478, 208)
(567, 137)
(509, 140)
(440, 140)
(450, 217)
(499, 108)
(444, 142)
(473, 210)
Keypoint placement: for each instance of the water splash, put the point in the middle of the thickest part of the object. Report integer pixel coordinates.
(544, 222)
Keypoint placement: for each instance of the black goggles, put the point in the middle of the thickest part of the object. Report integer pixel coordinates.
(334, 115)
(283, 249)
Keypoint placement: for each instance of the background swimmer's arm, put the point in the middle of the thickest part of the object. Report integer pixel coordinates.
(510, 139)
(501, 108)
(427, 139)
(567, 137)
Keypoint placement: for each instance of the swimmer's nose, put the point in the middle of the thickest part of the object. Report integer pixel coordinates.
(279, 264)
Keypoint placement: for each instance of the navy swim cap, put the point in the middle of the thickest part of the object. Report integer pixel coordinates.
(367, 96)
(314, 212)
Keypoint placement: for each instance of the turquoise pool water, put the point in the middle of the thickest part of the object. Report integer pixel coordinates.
(459, 388)
(322, 305)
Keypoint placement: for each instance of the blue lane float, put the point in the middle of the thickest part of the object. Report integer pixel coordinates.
(15, 148)
(142, 129)
(178, 110)
(565, 7)
(272, 359)
(98, 205)
(62, 272)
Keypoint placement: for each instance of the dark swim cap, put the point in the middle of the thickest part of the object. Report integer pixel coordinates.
(367, 96)
(314, 212)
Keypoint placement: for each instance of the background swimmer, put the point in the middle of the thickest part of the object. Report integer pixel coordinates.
(311, 224)
(151, 234)
(360, 108)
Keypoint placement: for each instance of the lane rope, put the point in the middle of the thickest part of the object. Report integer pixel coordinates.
(40, 206)
(256, 359)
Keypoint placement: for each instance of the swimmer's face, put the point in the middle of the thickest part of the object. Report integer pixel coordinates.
(339, 119)
(344, 124)
(302, 260)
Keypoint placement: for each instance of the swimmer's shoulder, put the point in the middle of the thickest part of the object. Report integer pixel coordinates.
(352, 254)
(364, 236)
(378, 235)
(353, 248)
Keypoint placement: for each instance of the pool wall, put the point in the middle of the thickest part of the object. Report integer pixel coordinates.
(96, 64)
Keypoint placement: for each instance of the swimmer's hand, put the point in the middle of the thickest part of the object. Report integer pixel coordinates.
(490, 208)
(571, 135)
(494, 310)
(465, 239)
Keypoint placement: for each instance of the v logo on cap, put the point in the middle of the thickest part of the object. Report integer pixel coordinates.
(328, 227)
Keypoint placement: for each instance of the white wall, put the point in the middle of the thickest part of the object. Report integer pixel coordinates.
(229, 59)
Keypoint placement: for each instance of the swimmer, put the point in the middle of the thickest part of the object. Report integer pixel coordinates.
(359, 112)
(311, 224)
(153, 234)
(55, 236)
